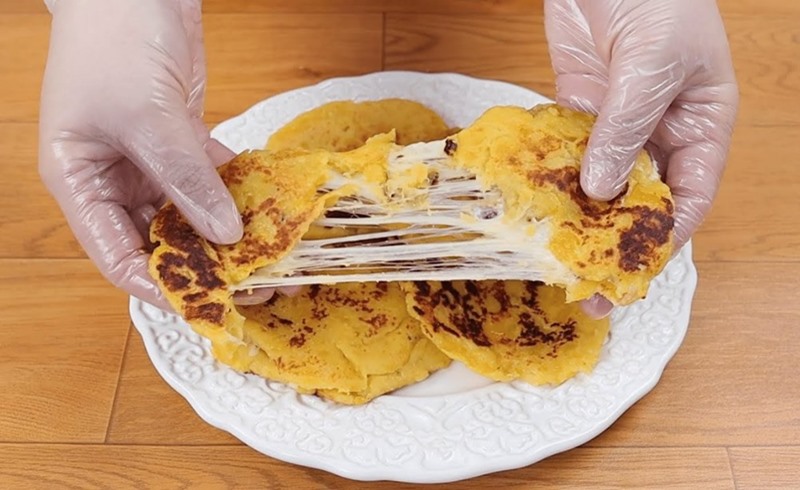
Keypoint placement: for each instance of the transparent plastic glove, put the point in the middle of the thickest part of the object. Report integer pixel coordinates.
(655, 72)
(121, 131)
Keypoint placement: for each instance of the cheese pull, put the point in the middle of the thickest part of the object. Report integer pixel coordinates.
(429, 220)
(500, 199)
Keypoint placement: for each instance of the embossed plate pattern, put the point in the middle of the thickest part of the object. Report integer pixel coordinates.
(455, 425)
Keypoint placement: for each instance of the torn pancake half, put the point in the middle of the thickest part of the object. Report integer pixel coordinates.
(278, 195)
(533, 158)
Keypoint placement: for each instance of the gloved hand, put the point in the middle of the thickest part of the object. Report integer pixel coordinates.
(657, 73)
(121, 130)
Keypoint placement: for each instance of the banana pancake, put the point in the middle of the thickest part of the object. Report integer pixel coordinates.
(533, 157)
(346, 125)
(508, 330)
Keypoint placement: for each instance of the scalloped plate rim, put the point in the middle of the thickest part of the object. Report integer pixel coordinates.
(442, 476)
(540, 452)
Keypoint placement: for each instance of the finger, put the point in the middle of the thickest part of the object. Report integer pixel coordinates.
(697, 130)
(290, 290)
(219, 153)
(634, 104)
(141, 217)
(216, 151)
(658, 157)
(580, 72)
(693, 176)
(570, 41)
(167, 149)
(253, 296)
(597, 307)
(262, 295)
(133, 276)
(191, 16)
(581, 92)
(112, 241)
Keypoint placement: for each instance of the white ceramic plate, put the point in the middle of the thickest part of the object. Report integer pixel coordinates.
(455, 425)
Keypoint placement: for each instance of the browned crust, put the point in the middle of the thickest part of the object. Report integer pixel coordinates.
(468, 315)
(195, 274)
(638, 245)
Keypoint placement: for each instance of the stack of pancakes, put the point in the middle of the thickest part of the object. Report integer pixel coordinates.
(351, 342)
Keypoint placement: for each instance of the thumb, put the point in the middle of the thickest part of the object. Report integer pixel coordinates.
(169, 150)
(634, 103)
(596, 307)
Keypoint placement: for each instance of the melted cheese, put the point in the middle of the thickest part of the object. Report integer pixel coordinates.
(459, 231)
(499, 200)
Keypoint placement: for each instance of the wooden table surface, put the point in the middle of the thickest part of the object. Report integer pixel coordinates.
(81, 406)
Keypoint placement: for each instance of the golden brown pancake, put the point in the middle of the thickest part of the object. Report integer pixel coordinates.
(508, 330)
(278, 198)
(347, 342)
(615, 248)
(346, 125)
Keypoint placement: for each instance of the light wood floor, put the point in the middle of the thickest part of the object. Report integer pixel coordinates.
(81, 406)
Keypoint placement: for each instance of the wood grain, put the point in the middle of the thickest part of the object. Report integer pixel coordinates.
(22, 59)
(764, 52)
(251, 57)
(502, 47)
(22, 7)
(734, 380)
(742, 226)
(120, 467)
(31, 224)
(513, 48)
(59, 364)
(327, 6)
(763, 8)
(725, 408)
(278, 52)
(148, 411)
(349, 6)
(755, 214)
(758, 468)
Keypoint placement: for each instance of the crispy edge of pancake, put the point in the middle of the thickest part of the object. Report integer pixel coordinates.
(508, 330)
(533, 156)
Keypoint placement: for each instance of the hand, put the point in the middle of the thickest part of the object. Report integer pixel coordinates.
(659, 76)
(121, 130)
